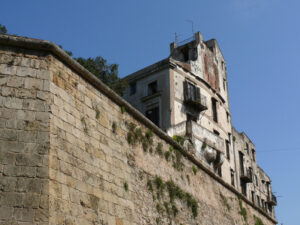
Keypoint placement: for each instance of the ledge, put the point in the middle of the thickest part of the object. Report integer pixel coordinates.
(148, 97)
(36, 44)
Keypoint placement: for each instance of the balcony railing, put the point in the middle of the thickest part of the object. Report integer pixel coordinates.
(183, 42)
(191, 128)
(272, 200)
(246, 175)
(198, 102)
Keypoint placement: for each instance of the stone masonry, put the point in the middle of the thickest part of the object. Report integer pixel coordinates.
(66, 156)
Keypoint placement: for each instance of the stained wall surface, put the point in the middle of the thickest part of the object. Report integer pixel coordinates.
(71, 155)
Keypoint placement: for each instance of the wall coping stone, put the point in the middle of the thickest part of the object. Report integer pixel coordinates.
(43, 45)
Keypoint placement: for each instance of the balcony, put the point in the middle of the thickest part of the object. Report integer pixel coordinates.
(246, 175)
(192, 129)
(272, 200)
(198, 102)
(193, 97)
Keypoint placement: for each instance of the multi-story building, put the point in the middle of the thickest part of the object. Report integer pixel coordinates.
(187, 94)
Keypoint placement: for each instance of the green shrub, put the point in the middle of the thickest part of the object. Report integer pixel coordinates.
(178, 139)
(258, 221)
(159, 150)
(126, 186)
(194, 170)
(97, 113)
(167, 155)
(123, 110)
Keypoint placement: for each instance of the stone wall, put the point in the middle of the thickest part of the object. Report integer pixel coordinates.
(72, 152)
(24, 136)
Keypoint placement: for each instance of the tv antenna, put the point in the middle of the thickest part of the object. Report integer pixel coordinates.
(190, 21)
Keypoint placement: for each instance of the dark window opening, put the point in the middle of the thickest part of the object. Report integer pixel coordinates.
(227, 150)
(250, 172)
(244, 188)
(214, 109)
(247, 148)
(132, 88)
(227, 116)
(258, 200)
(252, 196)
(153, 115)
(256, 180)
(268, 188)
(241, 156)
(229, 138)
(190, 91)
(152, 88)
(224, 84)
(253, 155)
(232, 177)
(216, 132)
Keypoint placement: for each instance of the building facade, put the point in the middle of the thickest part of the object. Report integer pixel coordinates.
(186, 94)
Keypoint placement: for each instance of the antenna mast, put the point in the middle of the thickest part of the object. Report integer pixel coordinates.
(190, 21)
(176, 37)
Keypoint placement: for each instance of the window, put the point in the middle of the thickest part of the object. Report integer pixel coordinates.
(224, 84)
(132, 88)
(214, 109)
(258, 200)
(244, 188)
(152, 88)
(229, 138)
(263, 185)
(216, 132)
(256, 180)
(227, 116)
(241, 157)
(227, 150)
(247, 148)
(232, 176)
(252, 196)
(191, 91)
(153, 115)
(253, 155)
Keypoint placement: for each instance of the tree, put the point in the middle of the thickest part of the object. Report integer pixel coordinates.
(3, 29)
(107, 73)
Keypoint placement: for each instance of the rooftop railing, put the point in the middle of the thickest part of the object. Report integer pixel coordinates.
(185, 41)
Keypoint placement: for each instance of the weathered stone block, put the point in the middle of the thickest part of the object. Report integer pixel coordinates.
(25, 215)
(26, 72)
(7, 70)
(6, 212)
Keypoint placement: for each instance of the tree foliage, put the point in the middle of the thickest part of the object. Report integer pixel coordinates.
(3, 29)
(107, 73)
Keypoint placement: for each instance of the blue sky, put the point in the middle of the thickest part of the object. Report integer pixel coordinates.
(259, 40)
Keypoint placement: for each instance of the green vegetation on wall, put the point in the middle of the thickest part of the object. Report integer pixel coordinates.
(168, 192)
